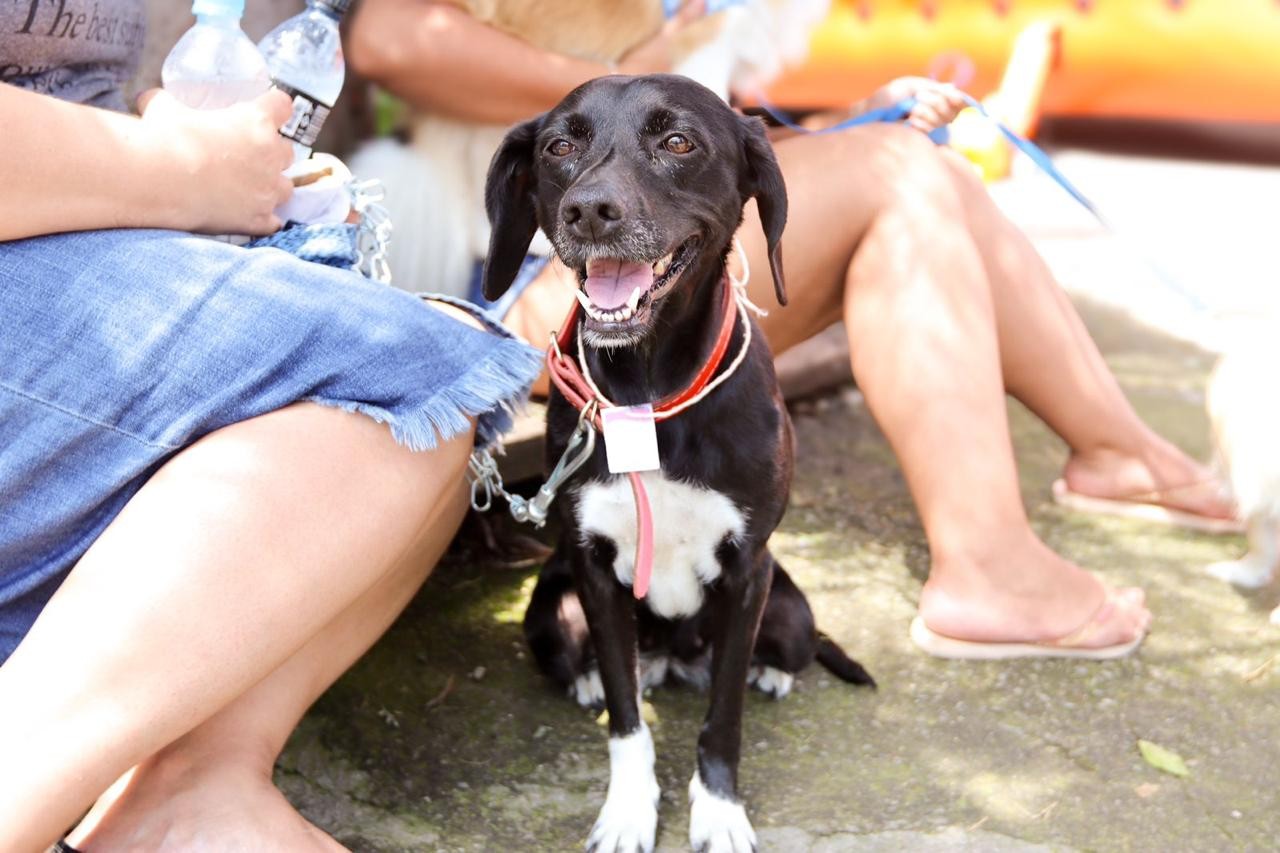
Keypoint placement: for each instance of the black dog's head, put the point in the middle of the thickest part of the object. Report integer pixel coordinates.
(639, 182)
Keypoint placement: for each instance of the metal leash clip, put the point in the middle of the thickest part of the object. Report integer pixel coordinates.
(373, 233)
(486, 479)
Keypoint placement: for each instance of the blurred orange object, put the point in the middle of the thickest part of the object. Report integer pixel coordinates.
(1200, 60)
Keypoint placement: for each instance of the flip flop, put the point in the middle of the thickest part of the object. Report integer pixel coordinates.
(1143, 507)
(1070, 646)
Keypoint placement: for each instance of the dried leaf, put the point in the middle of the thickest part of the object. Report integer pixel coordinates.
(648, 713)
(1163, 759)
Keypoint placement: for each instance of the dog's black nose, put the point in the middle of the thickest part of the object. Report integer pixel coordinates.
(591, 213)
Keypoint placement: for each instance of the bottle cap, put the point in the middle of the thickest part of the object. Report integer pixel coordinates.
(337, 8)
(229, 8)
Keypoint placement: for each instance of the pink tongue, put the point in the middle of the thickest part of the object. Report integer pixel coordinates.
(611, 282)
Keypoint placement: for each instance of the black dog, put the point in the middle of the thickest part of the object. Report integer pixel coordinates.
(640, 183)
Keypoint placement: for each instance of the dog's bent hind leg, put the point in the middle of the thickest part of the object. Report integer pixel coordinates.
(555, 629)
(717, 820)
(787, 639)
(629, 819)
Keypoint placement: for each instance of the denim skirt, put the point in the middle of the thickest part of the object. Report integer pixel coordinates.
(119, 348)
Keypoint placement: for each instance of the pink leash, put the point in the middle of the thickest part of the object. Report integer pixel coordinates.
(644, 537)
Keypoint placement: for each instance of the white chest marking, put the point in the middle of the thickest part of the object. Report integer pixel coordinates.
(689, 523)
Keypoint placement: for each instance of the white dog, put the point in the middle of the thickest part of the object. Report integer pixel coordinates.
(1244, 412)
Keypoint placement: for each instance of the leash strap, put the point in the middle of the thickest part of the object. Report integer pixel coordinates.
(902, 109)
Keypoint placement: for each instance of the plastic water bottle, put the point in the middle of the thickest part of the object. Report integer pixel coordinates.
(304, 56)
(214, 64)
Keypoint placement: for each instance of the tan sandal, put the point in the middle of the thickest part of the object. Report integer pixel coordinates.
(1073, 645)
(1147, 506)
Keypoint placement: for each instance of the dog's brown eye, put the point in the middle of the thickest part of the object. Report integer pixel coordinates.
(677, 144)
(560, 148)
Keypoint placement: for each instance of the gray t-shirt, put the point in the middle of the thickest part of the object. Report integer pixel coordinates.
(77, 50)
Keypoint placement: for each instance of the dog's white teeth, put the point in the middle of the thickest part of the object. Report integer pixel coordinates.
(661, 266)
(614, 315)
(583, 300)
(634, 301)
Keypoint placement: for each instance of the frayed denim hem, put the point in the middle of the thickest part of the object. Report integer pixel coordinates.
(491, 392)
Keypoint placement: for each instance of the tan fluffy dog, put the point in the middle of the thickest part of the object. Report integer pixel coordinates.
(1244, 411)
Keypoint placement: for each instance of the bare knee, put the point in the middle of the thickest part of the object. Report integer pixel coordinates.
(912, 175)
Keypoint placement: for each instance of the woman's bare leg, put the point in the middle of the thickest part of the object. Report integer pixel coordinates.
(1052, 365)
(889, 246)
(235, 586)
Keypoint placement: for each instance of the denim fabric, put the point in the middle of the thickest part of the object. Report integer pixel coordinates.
(119, 348)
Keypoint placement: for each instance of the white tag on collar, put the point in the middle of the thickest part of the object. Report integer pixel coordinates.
(630, 438)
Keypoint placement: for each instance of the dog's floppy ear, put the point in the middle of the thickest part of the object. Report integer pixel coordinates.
(509, 202)
(763, 179)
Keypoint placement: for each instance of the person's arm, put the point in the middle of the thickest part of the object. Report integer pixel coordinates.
(438, 58)
(72, 168)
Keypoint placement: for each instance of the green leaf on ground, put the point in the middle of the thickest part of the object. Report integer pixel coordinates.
(1163, 759)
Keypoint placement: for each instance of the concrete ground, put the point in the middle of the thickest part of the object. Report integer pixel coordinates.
(445, 738)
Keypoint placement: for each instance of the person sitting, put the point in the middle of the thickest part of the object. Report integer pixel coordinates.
(225, 470)
(947, 306)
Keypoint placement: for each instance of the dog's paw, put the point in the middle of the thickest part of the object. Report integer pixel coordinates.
(1275, 616)
(653, 671)
(588, 690)
(716, 824)
(1247, 572)
(625, 826)
(696, 673)
(629, 820)
(770, 681)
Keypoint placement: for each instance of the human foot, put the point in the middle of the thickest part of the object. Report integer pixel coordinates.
(1178, 489)
(1026, 594)
(159, 807)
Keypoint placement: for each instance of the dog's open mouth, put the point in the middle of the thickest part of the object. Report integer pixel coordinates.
(618, 294)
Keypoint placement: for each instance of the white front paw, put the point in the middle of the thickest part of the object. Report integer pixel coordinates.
(625, 825)
(1275, 616)
(1248, 572)
(716, 824)
(629, 820)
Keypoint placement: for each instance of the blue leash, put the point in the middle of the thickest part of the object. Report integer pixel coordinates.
(901, 110)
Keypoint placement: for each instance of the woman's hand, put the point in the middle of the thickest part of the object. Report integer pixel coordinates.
(937, 104)
(653, 56)
(228, 162)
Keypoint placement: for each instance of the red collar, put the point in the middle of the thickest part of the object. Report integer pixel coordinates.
(567, 376)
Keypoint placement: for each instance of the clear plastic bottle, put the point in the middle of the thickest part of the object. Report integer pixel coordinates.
(304, 56)
(214, 64)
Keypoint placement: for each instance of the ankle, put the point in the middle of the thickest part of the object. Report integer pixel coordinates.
(1112, 471)
(997, 560)
(190, 758)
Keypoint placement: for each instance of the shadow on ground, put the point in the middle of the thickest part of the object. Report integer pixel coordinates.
(444, 738)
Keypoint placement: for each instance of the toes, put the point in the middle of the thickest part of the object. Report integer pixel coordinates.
(1134, 600)
(624, 831)
(718, 824)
